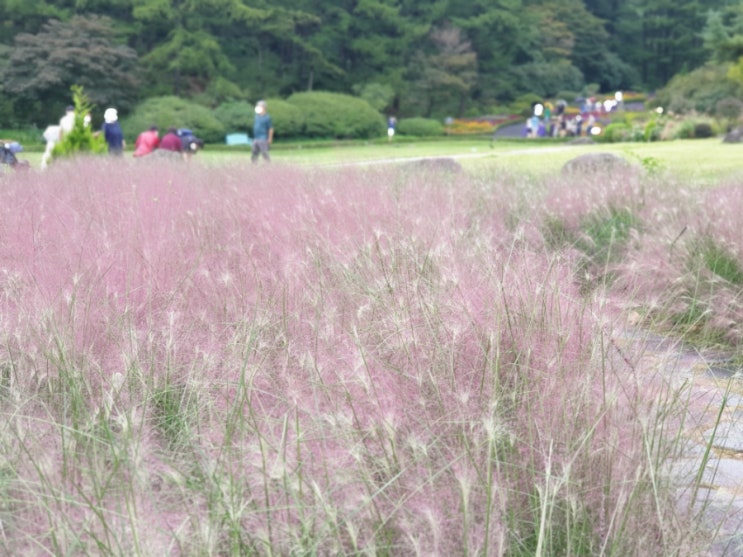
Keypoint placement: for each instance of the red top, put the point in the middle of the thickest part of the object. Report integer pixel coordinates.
(171, 142)
(146, 143)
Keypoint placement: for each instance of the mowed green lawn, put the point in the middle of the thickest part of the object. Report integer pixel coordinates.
(701, 161)
(705, 161)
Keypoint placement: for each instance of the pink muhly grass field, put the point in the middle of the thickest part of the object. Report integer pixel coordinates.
(283, 361)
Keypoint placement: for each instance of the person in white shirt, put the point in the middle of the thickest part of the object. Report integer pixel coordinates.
(67, 122)
(51, 136)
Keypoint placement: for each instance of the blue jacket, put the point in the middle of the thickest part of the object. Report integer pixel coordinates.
(114, 137)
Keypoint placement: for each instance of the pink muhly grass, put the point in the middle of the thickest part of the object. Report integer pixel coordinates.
(241, 360)
(570, 198)
(670, 271)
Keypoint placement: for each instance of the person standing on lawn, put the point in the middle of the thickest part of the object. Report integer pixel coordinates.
(112, 132)
(262, 133)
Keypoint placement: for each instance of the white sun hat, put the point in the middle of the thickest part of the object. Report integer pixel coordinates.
(111, 115)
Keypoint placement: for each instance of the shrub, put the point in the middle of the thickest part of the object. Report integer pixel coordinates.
(652, 130)
(235, 115)
(699, 90)
(729, 110)
(703, 130)
(337, 115)
(682, 130)
(617, 132)
(170, 111)
(420, 127)
(288, 120)
(81, 138)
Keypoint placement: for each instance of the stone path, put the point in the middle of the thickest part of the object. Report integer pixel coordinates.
(710, 468)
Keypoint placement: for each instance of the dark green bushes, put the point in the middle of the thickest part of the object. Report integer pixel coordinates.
(337, 116)
(420, 127)
(170, 111)
(617, 132)
(236, 116)
(288, 120)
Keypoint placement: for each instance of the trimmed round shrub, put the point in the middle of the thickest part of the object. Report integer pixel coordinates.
(170, 111)
(238, 116)
(334, 115)
(703, 130)
(616, 132)
(682, 130)
(420, 127)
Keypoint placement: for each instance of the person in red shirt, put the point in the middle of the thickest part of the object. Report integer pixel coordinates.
(147, 142)
(171, 141)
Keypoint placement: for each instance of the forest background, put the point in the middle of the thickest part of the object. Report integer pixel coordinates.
(410, 58)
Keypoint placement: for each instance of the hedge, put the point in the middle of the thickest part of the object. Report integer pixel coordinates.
(420, 127)
(170, 111)
(334, 115)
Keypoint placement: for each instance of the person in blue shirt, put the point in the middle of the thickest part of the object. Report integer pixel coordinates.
(112, 132)
(391, 124)
(262, 133)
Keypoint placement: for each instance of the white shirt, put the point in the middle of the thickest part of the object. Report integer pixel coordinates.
(67, 122)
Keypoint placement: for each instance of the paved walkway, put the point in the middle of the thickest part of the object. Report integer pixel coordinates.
(710, 468)
(537, 149)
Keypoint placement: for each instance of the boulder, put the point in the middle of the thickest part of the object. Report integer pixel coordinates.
(595, 162)
(437, 164)
(733, 136)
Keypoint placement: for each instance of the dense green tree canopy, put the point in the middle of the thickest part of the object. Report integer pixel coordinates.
(43, 67)
(418, 57)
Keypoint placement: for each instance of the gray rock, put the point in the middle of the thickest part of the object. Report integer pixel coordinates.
(595, 162)
(438, 164)
(733, 136)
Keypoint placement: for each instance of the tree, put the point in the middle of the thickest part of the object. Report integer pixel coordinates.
(661, 38)
(450, 71)
(29, 16)
(503, 33)
(254, 45)
(589, 49)
(723, 34)
(81, 138)
(378, 95)
(43, 67)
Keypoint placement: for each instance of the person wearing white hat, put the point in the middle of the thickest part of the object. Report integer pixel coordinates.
(112, 132)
